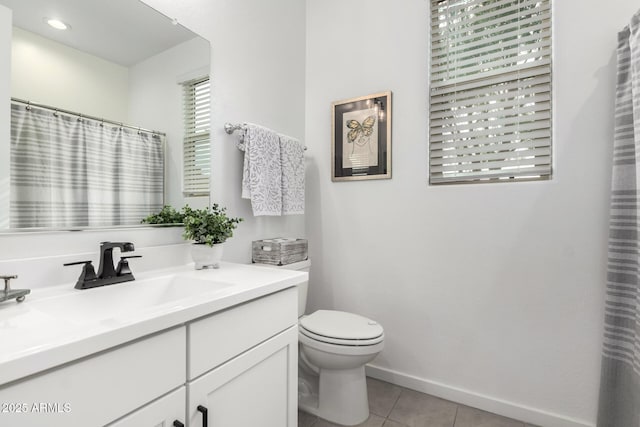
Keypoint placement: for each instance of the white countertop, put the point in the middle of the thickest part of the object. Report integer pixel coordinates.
(59, 324)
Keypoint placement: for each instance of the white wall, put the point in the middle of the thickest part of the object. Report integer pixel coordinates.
(258, 60)
(489, 294)
(5, 114)
(50, 73)
(156, 102)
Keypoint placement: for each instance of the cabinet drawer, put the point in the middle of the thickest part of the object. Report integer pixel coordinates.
(99, 389)
(220, 337)
(160, 413)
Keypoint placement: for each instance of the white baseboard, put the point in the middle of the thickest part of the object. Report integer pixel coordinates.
(486, 403)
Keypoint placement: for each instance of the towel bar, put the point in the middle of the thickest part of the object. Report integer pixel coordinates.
(231, 128)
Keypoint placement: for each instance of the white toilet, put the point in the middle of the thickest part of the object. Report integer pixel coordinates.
(334, 346)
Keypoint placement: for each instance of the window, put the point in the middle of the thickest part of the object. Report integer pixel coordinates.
(490, 95)
(196, 145)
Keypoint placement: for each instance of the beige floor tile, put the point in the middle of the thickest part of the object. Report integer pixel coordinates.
(415, 409)
(305, 419)
(382, 396)
(471, 417)
(373, 421)
(390, 423)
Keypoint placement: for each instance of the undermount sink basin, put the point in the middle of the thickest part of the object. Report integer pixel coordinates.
(125, 299)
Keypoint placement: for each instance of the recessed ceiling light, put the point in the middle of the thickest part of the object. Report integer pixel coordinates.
(57, 24)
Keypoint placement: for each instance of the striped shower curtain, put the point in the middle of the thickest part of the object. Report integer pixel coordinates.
(69, 172)
(620, 380)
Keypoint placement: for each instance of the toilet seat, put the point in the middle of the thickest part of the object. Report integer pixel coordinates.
(340, 349)
(337, 341)
(341, 328)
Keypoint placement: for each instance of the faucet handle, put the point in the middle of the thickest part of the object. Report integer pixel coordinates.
(76, 263)
(123, 265)
(7, 279)
(88, 273)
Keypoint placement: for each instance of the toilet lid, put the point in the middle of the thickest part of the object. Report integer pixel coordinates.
(341, 325)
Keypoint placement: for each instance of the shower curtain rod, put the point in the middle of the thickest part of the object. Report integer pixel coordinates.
(85, 116)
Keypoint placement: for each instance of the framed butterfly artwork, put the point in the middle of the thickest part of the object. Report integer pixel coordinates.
(361, 138)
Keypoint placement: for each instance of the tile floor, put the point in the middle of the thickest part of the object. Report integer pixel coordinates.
(393, 406)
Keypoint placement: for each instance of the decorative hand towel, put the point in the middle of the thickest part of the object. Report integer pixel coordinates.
(262, 173)
(292, 160)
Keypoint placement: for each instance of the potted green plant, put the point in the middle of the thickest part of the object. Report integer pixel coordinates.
(209, 228)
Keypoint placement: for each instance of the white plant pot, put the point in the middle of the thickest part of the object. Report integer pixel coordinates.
(205, 256)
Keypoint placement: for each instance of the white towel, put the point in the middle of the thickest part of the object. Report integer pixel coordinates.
(292, 161)
(262, 173)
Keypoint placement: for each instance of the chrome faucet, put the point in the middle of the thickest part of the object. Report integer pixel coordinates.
(107, 273)
(8, 293)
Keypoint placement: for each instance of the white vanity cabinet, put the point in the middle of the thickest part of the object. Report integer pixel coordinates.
(250, 385)
(239, 363)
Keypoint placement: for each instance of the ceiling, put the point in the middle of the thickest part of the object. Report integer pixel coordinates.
(120, 31)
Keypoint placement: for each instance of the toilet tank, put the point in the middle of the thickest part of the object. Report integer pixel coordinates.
(303, 288)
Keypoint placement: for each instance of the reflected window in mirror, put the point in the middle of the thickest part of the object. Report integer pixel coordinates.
(196, 144)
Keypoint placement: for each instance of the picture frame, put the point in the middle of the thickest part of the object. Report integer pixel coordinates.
(361, 138)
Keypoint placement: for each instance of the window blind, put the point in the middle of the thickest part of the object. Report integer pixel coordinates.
(196, 145)
(490, 96)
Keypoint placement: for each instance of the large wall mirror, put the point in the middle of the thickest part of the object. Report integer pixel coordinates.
(100, 108)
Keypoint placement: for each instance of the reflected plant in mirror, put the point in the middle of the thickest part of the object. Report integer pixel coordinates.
(97, 115)
(167, 216)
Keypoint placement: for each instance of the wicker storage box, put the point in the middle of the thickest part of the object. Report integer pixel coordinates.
(279, 251)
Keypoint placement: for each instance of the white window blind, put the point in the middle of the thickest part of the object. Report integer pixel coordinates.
(490, 97)
(196, 145)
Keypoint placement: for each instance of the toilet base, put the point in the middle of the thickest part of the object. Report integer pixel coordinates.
(308, 392)
(341, 396)
(309, 404)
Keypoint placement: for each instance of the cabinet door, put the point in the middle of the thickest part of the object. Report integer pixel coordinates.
(160, 413)
(257, 388)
